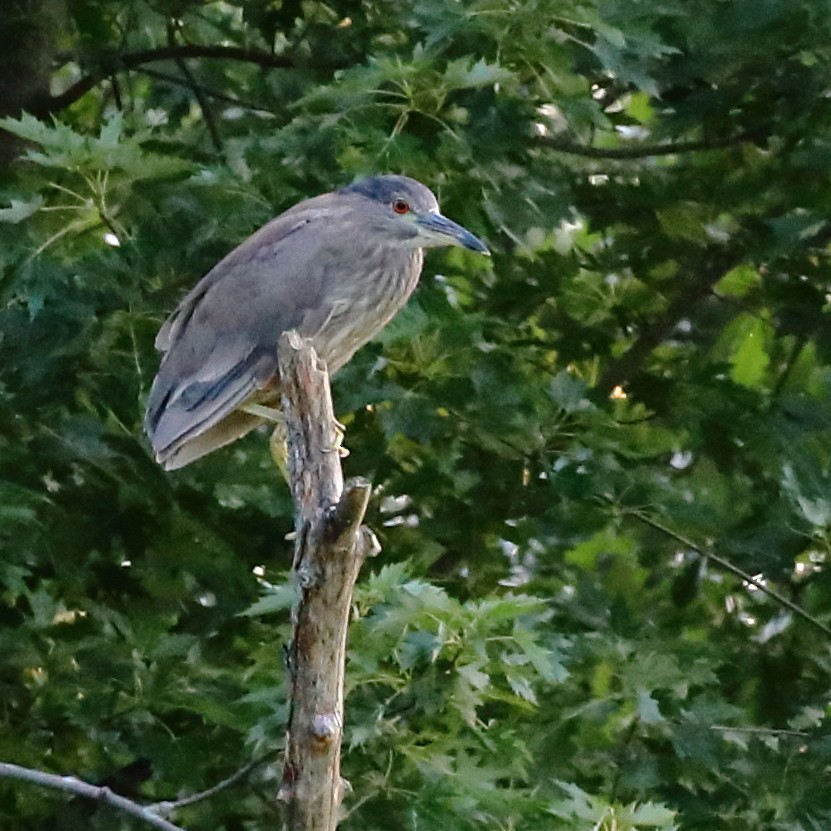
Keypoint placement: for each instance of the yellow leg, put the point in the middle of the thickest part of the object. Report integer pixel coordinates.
(271, 414)
(279, 449)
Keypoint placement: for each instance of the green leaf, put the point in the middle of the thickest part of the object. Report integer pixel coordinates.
(739, 282)
(546, 662)
(464, 74)
(521, 686)
(750, 359)
(20, 209)
(648, 711)
(653, 814)
(279, 598)
(685, 220)
(602, 544)
(809, 489)
(569, 392)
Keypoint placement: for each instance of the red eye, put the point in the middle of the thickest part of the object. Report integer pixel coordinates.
(401, 206)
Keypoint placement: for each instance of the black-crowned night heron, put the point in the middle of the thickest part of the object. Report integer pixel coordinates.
(335, 268)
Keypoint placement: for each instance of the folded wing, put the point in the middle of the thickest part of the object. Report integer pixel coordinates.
(220, 345)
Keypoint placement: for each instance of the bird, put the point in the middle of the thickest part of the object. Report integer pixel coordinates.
(336, 268)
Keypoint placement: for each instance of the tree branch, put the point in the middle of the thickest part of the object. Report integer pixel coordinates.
(330, 546)
(715, 264)
(644, 151)
(723, 563)
(760, 731)
(167, 807)
(621, 369)
(132, 60)
(70, 784)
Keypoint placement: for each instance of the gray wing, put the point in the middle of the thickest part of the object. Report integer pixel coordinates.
(220, 344)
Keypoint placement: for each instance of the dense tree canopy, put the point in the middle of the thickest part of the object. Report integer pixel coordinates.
(596, 457)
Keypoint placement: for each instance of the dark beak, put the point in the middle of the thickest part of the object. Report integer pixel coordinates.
(437, 230)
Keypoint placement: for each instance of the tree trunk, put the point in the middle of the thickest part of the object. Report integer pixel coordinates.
(27, 49)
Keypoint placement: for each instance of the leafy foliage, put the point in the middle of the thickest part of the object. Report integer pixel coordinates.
(640, 378)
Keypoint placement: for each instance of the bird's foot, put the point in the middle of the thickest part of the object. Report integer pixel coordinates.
(340, 433)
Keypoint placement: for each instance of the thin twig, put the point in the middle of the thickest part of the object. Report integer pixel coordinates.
(204, 105)
(167, 807)
(70, 784)
(762, 731)
(201, 100)
(646, 519)
(202, 50)
(794, 353)
(211, 93)
(645, 151)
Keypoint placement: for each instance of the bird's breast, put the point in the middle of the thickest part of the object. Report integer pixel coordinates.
(365, 300)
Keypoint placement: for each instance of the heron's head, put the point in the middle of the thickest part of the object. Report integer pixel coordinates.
(402, 211)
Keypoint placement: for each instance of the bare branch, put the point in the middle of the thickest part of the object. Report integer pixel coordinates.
(167, 807)
(202, 50)
(70, 784)
(759, 731)
(330, 546)
(622, 368)
(132, 60)
(723, 563)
